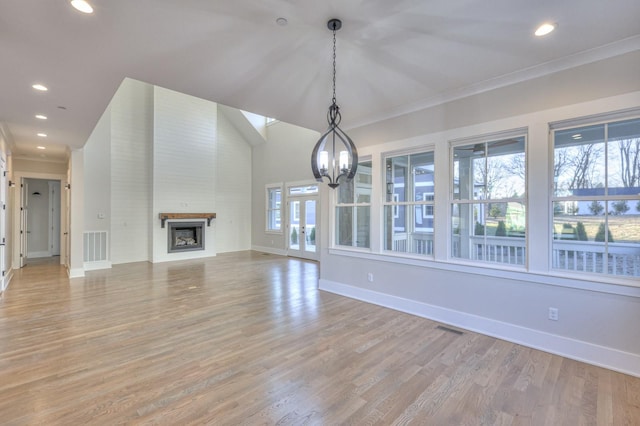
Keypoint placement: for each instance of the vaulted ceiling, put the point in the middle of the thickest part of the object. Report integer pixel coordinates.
(393, 57)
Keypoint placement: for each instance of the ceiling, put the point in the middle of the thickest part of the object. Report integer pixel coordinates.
(392, 57)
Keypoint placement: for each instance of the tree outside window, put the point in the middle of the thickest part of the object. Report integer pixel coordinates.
(488, 212)
(597, 173)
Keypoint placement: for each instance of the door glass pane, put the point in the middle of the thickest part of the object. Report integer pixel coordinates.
(294, 228)
(310, 225)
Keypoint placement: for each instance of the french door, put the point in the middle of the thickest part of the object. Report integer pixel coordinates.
(302, 227)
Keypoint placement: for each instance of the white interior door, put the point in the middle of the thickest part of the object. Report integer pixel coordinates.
(24, 187)
(66, 226)
(54, 217)
(302, 227)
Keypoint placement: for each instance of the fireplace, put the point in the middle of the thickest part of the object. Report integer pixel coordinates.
(185, 236)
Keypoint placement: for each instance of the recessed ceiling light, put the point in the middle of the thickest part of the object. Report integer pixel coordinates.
(545, 29)
(41, 117)
(282, 21)
(41, 147)
(82, 5)
(42, 135)
(40, 87)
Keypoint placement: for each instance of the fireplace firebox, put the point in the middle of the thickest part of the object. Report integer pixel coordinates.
(185, 236)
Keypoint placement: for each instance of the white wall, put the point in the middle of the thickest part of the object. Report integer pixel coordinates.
(130, 172)
(233, 192)
(613, 76)
(155, 150)
(285, 157)
(76, 214)
(36, 166)
(184, 166)
(97, 184)
(595, 316)
(595, 313)
(8, 198)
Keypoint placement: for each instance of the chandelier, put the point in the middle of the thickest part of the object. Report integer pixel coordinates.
(334, 156)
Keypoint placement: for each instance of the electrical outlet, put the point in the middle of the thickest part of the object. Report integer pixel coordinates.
(553, 314)
(370, 277)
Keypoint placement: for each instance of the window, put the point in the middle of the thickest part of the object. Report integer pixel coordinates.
(488, 211)
(596, 200)
(353, 209)
(303, 190)
(408, 206)
(274, 208)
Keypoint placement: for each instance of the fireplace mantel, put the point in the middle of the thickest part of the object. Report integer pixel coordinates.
(208, 216)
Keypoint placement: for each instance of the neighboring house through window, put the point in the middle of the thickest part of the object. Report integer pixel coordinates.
(488, 210)
(408, 207)
(596, 199)
(353, 209)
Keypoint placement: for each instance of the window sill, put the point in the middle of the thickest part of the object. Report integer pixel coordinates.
(603, 284)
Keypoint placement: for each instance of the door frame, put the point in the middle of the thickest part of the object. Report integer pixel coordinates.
(17, 248)
(4, 240)
(302, 198)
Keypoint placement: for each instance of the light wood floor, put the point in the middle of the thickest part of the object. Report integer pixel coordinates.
(246, 338)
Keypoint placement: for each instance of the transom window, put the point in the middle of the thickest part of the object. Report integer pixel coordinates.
(596, 199)
(408, 207)
(303, 190)
(488, 210)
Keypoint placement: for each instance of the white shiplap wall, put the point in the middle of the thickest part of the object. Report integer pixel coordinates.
(131, 147)
(184, 165)
(169, 152)
(233, 194)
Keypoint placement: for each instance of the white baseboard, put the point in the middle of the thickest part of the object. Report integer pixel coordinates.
(8, 277)
(578, 350)
(76, 272)
(271, 250)
(94, 266)
(4, 283)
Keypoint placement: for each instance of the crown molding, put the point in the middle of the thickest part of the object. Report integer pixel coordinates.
(606, 51)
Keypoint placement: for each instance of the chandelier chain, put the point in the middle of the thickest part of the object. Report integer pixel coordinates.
(334, 65)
